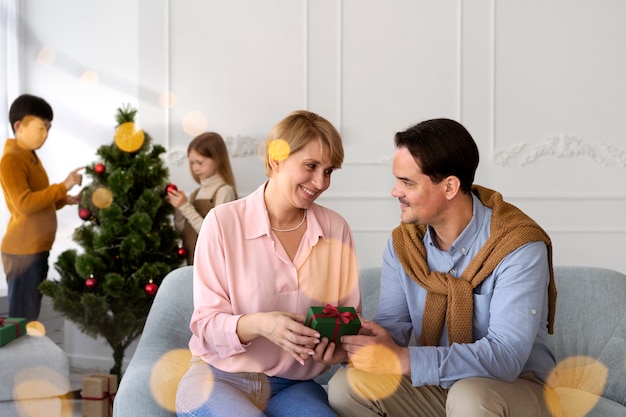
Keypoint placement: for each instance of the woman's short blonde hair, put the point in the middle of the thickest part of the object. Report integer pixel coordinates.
(298, 129)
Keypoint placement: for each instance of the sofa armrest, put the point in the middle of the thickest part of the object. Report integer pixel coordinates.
(166, 330)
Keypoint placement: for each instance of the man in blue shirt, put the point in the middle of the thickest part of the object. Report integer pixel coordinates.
(470, 276)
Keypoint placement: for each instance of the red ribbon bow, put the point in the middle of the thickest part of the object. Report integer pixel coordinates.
(332, 311)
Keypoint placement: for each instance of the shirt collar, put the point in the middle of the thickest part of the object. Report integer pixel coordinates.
(468, 236)
(258, 220)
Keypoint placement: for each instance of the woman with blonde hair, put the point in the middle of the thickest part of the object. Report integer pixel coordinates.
(261, 262)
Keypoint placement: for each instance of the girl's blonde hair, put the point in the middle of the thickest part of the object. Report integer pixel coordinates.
(211, 145)
(298, 129)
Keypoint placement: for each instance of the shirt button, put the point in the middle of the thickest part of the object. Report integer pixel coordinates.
(463, 250)
(452, 271)
(533, 311)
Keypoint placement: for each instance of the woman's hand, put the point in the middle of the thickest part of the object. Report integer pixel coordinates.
(176, 198)
(329, 353)
(284, 329)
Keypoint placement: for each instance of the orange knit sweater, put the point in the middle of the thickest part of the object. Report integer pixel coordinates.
(31, 200)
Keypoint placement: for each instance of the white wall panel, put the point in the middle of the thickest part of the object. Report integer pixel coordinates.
(539, 85)
(239, 67)
(556, 113)
(399, 66)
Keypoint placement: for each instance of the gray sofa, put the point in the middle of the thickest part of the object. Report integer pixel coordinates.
(589, 341)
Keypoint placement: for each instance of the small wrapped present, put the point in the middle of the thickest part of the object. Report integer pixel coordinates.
(97, 394)
(11, 328)
(333, 322)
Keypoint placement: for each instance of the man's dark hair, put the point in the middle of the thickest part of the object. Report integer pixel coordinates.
(29, 105)
(442, 147)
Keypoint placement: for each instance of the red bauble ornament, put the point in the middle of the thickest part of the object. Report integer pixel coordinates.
(84, 213)
(182, 252)
(151, 288)
(91, 282)
(99, 168)
(170, 187)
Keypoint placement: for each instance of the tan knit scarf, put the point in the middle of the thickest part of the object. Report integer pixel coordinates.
(451, 299)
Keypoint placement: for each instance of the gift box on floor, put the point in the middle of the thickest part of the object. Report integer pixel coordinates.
(333, 322)
(11, 328)
(97, 394)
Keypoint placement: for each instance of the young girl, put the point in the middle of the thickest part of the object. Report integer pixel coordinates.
(209, 164)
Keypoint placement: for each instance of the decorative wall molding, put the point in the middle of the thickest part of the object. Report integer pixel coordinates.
(557, 146)
(616, 153)
(177, 156)
(560, 146)
(238, 146)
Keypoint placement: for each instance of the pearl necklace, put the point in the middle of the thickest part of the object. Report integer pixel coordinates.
(293, 228)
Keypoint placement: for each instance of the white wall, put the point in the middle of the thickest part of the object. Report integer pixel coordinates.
(539, 85)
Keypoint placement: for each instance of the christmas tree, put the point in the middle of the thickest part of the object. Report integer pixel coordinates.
(128, 240)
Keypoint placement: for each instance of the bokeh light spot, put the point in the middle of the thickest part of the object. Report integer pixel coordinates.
(46, 55)
(35, 328)
(579, 382)
(102, 198)
(279, 150)
(328, 257)
(129, 137)
(194, 123)
(39, 382)
(167, 99)
(90, 78)
(166, 374)
(376, 385)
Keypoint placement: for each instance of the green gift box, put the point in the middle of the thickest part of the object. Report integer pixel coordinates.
(11, 328)
(333, 322)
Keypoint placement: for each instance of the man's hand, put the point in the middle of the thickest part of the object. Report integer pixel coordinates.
(374, 350)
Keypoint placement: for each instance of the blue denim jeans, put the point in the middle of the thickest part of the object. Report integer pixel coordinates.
(205, 391)
(24, 274)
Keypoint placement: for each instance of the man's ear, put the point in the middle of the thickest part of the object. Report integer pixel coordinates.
(452, 186)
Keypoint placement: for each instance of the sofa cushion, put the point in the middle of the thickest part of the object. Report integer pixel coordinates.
(33, 367)
(614, 357)
(590, 330)
(589, 340)
(157, 360)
